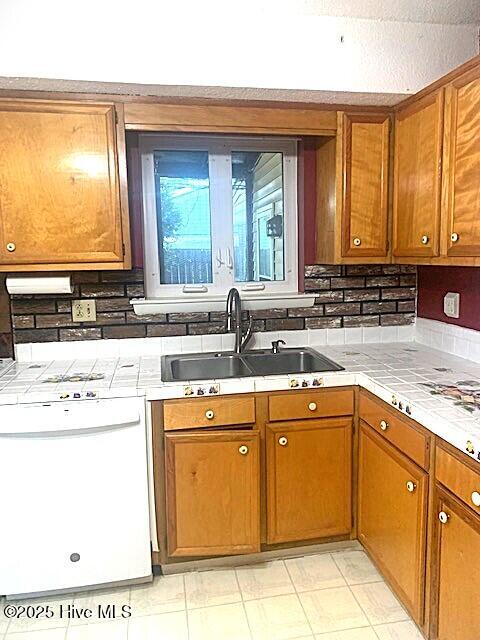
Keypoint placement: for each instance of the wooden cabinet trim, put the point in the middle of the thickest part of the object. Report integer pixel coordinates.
(346, 125)
(192, 413)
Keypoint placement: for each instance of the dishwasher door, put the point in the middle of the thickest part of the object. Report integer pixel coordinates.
(74, 495)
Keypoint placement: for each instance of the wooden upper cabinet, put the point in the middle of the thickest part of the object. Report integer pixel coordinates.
(309, 478)
(364, 189)
(456, 570)
(212, 493)
(461, 166)
(417, 177)
(392, 515)
(63, 200)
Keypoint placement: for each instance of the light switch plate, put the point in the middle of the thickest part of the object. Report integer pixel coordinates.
(84, 311)
(451, 305)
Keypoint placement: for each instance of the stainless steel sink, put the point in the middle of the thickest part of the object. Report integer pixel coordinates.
(207, 366)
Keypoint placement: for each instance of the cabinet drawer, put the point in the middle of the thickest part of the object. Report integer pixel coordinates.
(400, 431)
(208, 412)
(459, 478)
(296, 405)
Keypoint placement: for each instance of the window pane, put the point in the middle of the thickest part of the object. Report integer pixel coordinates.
(257, 185)
(182, 190)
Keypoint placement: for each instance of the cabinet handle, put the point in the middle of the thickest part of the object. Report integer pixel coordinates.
(425, 239)
(11, 246)
(357, 242)
(443, 517)
(411, 486)
(209, 414)
(282, 441)
(454, 237)
(243, 449)
(383, 425)
(312, 406)
(476, 498)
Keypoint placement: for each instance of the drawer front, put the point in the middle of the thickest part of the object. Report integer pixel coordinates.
(397, 430)
(208, 412)
(295, 405)
(458, 478)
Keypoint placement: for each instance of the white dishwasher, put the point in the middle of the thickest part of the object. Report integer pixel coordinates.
(74, 495)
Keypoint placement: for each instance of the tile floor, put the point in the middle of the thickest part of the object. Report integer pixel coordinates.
(327, 596)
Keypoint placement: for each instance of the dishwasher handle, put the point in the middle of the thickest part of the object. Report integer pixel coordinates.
(62, 433)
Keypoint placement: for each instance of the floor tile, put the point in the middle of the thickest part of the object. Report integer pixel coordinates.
(406, 630)
(165, 594)
(44, 634)
(100, 602)
(277, 618)
(113, 630)
(379, 603)
(366, 633)
(218, 623)
(211, 588)
(42, 622)
(264, 580)
(311, 573)
(356, 567)
(332, 610)
(164, 626)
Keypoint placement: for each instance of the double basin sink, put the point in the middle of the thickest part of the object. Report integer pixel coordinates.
(208, 366)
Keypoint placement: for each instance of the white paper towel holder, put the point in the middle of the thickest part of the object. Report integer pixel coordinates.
(23, 285)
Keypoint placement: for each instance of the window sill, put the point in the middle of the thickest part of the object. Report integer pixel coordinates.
(250, 302)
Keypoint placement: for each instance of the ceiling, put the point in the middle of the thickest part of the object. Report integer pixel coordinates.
(432, 11)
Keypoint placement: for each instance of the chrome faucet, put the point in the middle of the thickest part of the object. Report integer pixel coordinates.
(234, 320)
(276, 345)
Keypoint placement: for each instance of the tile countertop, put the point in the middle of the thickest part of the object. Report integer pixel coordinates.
(438, 390)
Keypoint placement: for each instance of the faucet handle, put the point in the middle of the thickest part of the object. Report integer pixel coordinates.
(276, 345)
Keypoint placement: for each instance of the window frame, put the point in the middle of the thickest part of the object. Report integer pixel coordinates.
(219, 150)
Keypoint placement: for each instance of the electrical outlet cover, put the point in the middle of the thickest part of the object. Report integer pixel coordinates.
(84, 311)
(451, 305)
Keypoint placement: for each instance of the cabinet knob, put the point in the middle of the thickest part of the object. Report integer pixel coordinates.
(357, 242)
(383, 425)
(209, 414)
(425, 239)
(243, 449)
(312, 406)
(443, 517)
(411, 486)
(476, 498)
(454, 237)
(282, 441)
(11, 246)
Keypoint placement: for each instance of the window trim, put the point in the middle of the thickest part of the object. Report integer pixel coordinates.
(220, 149)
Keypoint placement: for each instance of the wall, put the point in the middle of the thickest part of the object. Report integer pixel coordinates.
(220, 43)
(6, 346)
(352, 296)
(435, 282)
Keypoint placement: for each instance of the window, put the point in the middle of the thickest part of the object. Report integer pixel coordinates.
(219, 212)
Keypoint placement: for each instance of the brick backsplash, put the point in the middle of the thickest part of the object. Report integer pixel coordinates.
(346, 296)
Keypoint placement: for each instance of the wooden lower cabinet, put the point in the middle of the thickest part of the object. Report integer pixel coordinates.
(392, 516)
(456, 571)
(309, 479)
(212, 493)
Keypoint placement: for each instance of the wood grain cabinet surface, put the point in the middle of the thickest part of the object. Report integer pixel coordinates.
(364, 187)
(417, 177)
(392, 516)
(309, 479)
(212, 493)
(63, 202)
(461, 166)
(456, 570)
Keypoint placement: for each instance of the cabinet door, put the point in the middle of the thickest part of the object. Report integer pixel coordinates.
(456, 571)
(60, 187)
(461, 166)
(365, 145)
(392, 503)
(417, 177)
(309, 479)
(212, 490)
